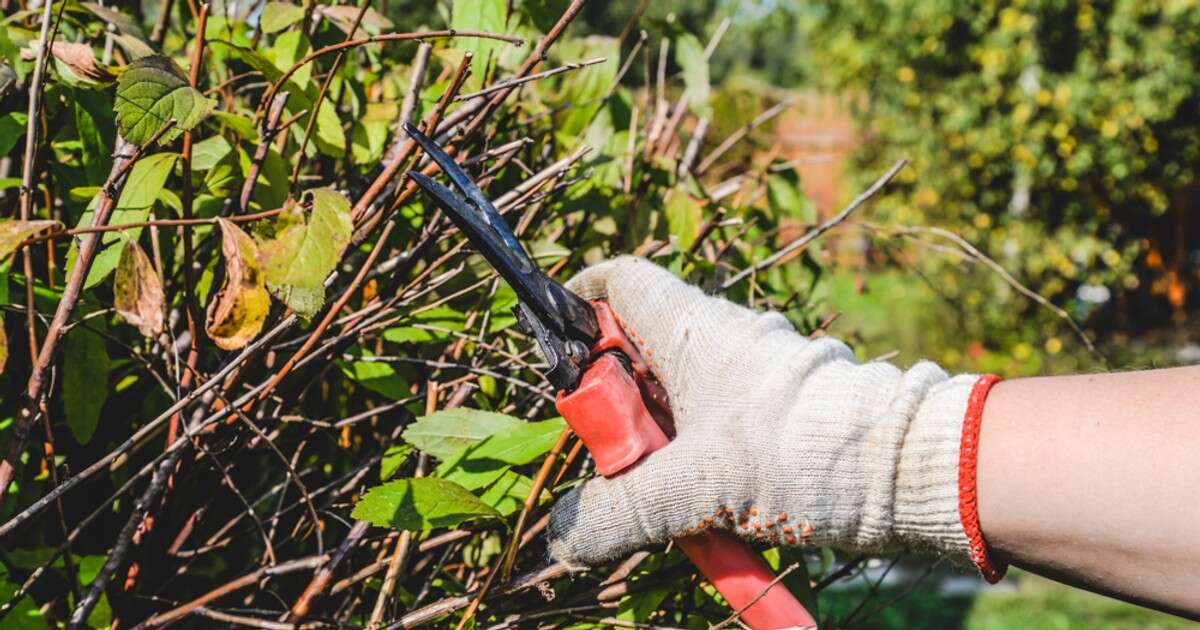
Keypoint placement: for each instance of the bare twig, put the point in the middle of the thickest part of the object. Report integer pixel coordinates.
(973, 253)
(737, 136)
(511, 83)
(812, 234)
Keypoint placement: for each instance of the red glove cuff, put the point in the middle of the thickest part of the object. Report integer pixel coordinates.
(968, 457)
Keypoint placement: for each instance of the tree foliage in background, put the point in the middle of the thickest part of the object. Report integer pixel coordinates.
(1058, 136)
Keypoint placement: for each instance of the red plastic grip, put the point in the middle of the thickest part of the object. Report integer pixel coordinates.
(608, 411)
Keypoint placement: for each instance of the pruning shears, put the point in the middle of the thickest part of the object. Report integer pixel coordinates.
(606, 391)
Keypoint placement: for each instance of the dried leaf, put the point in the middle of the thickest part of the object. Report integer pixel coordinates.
(343, 16)
(237, 313)
(138, 291)
(81, 61)
(13, 233)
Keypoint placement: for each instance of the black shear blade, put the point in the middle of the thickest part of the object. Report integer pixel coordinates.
(474, 196)
(558, 310)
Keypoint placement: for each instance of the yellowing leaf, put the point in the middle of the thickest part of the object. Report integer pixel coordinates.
(137, 289)
(420, 504)
(277, 16)
(13, 233)
(237, 313)
(3, 344)
(306, 250)
(152, 91)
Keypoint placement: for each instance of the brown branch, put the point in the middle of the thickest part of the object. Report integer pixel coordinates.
(316, 106)
(512, 83)
(35, 387)
(270, 129)
(415, 82)
(376, 39)
(362, 211)
(449, 605)
(253, 577)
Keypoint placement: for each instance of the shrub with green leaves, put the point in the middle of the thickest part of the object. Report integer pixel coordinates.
(250, 377)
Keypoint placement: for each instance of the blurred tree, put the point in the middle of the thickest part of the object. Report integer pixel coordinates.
(1057, 135)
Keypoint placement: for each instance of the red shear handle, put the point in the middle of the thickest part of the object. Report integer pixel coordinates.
(741, 575)
(608, 414)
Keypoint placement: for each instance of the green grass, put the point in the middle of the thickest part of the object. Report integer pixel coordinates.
(1040, 603)
(1035, 604)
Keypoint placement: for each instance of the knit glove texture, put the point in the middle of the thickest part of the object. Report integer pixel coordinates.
(779, 438)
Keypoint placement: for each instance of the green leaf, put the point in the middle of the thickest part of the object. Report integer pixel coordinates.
(585, 89)
(689, 54)
(684, 216)
(152, 91)
(208, 152)
(477, 465)
(420, 505)
(428, 326)
(97, 130)
(393, 459)
(640, 606)
(545, 13)
(329, 137)
(508, 493)
(443, 433)
(370, 135)
(519, 445)
(477, 15)
(277, 16)
(239, 124)
(12, 128)
(376, 376)
(85, 379)
(145, 182)
(305, 251)
(786, 198)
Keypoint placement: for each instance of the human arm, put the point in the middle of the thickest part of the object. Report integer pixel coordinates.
(1094, 480)
(792, 441)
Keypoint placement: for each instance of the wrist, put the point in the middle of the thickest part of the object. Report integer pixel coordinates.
(935, 508)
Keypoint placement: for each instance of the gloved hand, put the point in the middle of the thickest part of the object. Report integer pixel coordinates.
(779, 438)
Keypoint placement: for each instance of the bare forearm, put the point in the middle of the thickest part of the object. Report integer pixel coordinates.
(1095, 480)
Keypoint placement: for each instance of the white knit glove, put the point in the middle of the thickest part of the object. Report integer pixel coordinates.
(780, 438)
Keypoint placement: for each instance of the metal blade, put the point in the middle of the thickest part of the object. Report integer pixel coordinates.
(558, 310)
